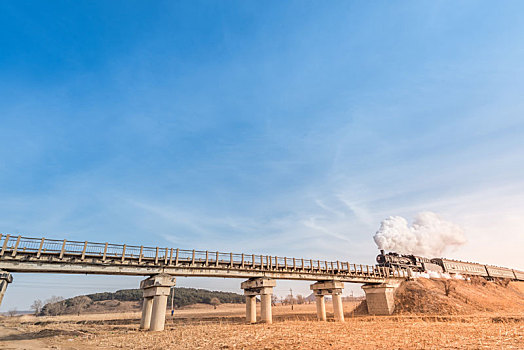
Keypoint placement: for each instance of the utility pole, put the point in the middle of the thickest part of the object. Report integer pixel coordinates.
(291, 292)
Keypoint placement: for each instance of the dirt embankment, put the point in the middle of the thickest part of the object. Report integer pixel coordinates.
(456, 297)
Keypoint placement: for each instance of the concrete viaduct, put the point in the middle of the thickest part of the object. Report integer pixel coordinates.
(40, 255)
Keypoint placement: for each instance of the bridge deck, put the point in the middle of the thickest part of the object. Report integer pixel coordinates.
(24, 254)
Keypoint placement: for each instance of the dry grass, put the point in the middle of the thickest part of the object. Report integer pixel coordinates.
(194, 330)
(355, 334)
(202, 327)
(423, 296)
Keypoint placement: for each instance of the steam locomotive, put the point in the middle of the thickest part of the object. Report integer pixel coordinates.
(452, 267)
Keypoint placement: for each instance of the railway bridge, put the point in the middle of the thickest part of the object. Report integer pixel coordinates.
(20, 254)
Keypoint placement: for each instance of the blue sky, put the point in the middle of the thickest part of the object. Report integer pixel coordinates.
(289, 128)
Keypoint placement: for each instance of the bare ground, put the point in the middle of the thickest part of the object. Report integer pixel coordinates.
(496, 325)
(203, 329)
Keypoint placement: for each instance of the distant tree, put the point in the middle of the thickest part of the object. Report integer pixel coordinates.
(122, 295)
(54, 309)
(54, 299)
(215, 302)
(300, 299)
(448, 287)
(54, 306)
(290, 300)
(12, 312)
(77, 304)
(37, 306)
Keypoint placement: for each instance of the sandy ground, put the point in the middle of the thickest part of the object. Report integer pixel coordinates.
(13, 338)
(202, 327)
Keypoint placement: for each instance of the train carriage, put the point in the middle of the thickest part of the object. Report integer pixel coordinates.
(499, 272)
(519, 275)
(461, 267)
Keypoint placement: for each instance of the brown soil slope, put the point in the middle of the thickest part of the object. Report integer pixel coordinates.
(457, 297)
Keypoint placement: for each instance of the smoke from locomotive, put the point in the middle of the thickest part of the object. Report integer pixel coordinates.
(429, 235)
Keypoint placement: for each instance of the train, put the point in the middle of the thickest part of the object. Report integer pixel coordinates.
(449, 266)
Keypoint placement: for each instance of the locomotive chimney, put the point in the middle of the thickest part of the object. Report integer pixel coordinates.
(382, 251)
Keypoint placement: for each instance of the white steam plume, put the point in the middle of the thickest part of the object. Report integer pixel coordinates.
(436, 274)
(428, 236)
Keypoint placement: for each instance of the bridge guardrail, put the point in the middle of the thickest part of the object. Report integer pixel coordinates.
(13, 246)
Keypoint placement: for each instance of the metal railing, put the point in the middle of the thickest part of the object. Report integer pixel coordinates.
(13, 247)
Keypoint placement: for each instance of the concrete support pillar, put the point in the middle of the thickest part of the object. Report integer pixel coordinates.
(156, 290)
(263, 287)
(158, 315)
(338, 310)
(323, 288)
(321, 307)
(265, 308)
(251, 308)
(5, 279)
(147, 308)
(380, 298)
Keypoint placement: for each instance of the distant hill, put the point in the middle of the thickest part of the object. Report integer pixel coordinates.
(130, 299)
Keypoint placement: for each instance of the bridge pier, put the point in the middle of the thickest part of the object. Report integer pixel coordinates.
(147, 309)
(156, 290)
(380, 298)
(321, 307)
(263, 287)
(5, 279)
(323, 288)
(251, 308)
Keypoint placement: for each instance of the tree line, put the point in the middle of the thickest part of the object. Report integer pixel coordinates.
(182, 297)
